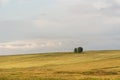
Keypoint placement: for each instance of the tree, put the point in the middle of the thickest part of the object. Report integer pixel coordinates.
(80, 50)
(75, 50)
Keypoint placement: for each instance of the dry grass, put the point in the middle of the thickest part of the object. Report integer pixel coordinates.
(91, 65)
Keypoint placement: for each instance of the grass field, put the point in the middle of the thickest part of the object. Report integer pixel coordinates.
(91, 65)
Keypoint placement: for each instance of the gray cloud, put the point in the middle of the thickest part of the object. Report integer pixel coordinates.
(81, 19)
(93, 24)
(36, 45)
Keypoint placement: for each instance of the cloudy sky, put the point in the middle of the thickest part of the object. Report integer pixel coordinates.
(32, 26)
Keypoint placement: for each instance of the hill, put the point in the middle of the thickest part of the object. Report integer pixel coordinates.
(91, 65)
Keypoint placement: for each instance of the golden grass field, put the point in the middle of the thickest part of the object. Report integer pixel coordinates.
(90, 65)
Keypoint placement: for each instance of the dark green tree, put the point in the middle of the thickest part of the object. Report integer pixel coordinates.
(75, 50)
(80, 50)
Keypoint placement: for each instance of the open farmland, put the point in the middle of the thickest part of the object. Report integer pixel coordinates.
(90, 65)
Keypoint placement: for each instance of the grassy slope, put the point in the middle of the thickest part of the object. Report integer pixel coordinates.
(91, 65)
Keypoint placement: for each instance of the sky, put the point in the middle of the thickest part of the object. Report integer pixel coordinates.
(39, 26)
